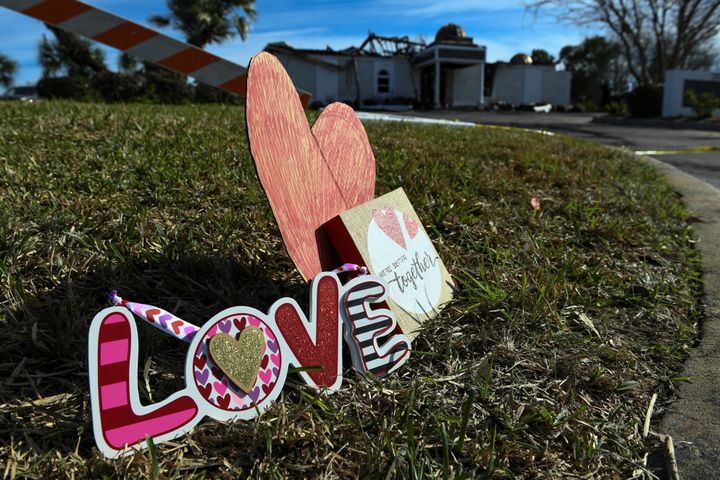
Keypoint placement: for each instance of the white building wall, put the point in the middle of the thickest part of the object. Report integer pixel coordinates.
(330, 85)
(509, 84)
(341, 84)
(467, 86)
(532, 84)
(404, 85)
(401, 77)
(366, 76)
(525, 84)
(674, 90)
(302, 72)
(556, 87)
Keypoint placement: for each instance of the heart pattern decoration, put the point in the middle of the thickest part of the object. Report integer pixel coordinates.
(212, 374)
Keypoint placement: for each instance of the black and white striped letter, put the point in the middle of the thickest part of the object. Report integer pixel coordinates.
(366, 328)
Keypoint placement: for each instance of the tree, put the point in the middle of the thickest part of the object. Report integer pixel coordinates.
(8, 68)
(208, 21)
(71, 66)
(128, 64)
(593, 65)
(542, 57)
(654, 35)
(71, 55)
(202, 22)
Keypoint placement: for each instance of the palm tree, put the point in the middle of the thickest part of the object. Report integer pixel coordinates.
(70, 54)
(208, 21)
(8, 68)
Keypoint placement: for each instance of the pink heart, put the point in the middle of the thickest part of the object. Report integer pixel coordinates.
(275, 359)
(265, 375)
(411, 226)
(220, 388)
(388, 222)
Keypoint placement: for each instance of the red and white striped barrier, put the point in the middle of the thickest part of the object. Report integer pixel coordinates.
(141, 42)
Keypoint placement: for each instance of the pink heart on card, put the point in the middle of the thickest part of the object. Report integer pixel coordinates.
(388, 222)
(411, 226)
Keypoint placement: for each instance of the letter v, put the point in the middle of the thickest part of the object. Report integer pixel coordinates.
(119, 420)
(317, 342)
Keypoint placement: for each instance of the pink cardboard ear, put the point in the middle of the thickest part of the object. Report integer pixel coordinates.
(305, 187)
(347, 151)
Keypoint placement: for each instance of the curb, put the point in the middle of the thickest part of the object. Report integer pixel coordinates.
(693, 419)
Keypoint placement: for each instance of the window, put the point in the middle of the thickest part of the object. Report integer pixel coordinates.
(383, 81)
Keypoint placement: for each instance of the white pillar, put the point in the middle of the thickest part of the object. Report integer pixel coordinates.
(482, 84)
(437, 80)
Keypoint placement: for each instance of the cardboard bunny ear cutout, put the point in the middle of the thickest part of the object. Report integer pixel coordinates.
(308, 179)
(347, 151)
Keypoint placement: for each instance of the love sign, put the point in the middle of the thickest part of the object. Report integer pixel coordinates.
(320, 184)
(238, 361)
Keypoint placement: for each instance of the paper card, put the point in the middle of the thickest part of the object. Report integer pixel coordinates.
(387, 236)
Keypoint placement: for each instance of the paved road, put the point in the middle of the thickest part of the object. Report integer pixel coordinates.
(705, 166)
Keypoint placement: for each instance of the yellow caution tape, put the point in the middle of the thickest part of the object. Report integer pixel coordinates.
(502, 127)
(637, 152)
(682, 150)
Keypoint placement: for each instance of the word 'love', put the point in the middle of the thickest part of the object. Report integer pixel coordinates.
(240, 373)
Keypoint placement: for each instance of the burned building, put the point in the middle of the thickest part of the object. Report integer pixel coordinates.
(387, 71)
(393, 72)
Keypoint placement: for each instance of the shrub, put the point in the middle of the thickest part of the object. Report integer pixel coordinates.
(209, 94)
(589, 106)
(645, 101)
(703, 104)
(617, 108)
(71, 87)
(120, 87)
(316, 105)
(166, 86)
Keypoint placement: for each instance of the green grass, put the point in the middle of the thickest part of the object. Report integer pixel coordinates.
(509, 382)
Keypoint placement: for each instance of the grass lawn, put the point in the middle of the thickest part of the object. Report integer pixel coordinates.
(566, 320)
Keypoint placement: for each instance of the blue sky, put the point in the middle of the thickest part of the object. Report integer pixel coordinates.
(502, 26)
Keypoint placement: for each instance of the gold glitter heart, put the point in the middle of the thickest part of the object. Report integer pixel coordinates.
(239, 360)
